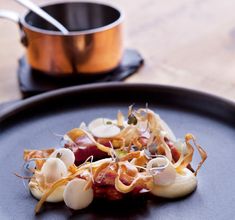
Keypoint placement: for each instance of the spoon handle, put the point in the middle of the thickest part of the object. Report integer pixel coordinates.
(36, 9)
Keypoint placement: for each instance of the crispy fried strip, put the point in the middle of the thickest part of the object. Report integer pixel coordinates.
(30, 154)
(184, 161)
(88, 185)
(39, 164)
(130, 109)
(72, 169)
(23, 177)
(140, 161)
(128, 168)
(118, 143)
(137, 143)
(120, 119)
(161, 142)
(139, 180)
(152, 118)
(150, 140)
(57, 184)
(179, 161)
(98, 145)
(120, 187)
(127, 131)
(75, 133)
(38, 156)
(189, 156)
(202, 153)
(130, 156)
(98, 169)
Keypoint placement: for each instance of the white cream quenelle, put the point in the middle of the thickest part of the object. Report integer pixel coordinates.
(183, 185)
(167, 182)
(56, 196)
(52, 170)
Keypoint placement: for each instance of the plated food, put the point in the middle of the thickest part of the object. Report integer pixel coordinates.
(114, 159)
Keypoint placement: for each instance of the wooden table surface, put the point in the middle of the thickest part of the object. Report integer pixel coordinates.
(188, 43)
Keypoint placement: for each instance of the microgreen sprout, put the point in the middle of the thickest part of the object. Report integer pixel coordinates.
(59, 155)
(109, 123)
(132, 120)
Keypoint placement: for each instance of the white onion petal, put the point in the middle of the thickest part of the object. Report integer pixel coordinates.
(104, 128)
(53, 169)
(64, 154)
(75, 196)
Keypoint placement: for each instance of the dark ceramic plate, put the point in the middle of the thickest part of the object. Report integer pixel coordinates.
(33, 122)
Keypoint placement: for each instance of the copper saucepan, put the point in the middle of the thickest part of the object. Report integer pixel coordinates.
(93, 45)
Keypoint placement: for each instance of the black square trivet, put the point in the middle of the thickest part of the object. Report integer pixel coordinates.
(33, 82)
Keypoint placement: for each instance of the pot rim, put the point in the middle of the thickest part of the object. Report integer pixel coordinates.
(74, 33)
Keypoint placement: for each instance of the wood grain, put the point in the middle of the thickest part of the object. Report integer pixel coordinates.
(189, 43)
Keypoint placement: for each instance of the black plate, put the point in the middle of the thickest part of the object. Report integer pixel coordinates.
(31, 124)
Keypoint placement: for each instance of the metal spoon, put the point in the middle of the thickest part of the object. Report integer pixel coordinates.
(36, 9)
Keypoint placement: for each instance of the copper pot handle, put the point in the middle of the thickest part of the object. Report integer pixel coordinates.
(13, 16)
